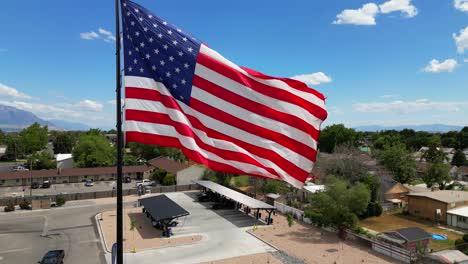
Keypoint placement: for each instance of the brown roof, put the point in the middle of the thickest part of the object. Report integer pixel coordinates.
(444, 196)
(462, 170)
(168, 164)
(71, 172)
(398, 188)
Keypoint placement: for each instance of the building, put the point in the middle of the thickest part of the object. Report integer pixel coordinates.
(409, 238)
(185, 172)
(64, 161)
(434, 205)
(446, 257)
(112, 138)
(460, 173)
(397, 194)
(3, 149)
(308, 190)
(23, 178)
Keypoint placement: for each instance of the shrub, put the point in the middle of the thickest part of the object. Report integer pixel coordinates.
(24, 205)
(362, 231)
(290, 219)
(241, 181)
(60, 200)
(169, 179)
(465, 237)
(10, 207)
(460, 244)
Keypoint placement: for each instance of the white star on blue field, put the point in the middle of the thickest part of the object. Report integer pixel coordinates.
(379, 62)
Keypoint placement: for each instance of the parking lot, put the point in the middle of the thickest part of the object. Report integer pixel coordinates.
(62, 188)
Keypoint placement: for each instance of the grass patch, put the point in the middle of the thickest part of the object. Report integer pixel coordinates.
(416, 181)
(438, 245)
(241, 181)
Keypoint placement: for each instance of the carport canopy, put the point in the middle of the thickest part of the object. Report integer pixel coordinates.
(235, 196)
(161, 208)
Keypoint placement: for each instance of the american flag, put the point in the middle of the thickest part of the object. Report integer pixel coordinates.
(180, 93)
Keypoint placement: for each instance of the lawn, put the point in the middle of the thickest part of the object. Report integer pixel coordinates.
(388, 222)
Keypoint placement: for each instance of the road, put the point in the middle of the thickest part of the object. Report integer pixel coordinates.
(26, 236)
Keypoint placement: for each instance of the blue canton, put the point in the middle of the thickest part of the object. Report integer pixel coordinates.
(155, 49)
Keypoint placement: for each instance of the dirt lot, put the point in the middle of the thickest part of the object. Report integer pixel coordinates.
(144, 236)
(314, 245)
(387, 222)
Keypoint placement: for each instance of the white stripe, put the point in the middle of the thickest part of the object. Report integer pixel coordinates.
(259, 98)
(274, 83)
(189, 143)
(254, 118)
(157, 107)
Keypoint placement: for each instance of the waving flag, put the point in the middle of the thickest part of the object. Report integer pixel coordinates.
(180, 93)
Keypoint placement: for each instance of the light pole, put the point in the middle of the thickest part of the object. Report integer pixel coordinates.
(30, 178)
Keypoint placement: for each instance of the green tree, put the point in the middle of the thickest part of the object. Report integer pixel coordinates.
(2, 137)
(385, 141)
(449, 139)
(463, 138)
(94, 151)
(459, 158)
(335, 135)
(399, 162)
(42, 161)
(63, 142)
(438, 173)
(339, 205)
(158, 175)
(144, 151)
(33, 138)
(434, 154)
(169, 179)
(130, 160)
(173, 153)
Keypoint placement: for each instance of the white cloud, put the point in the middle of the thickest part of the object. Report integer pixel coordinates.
(89, 35)
(108, 35)
(409, 106)
(465, 60)
(389, 96)
(461, 40)
(435, 66)
(403, 6)
(313, 78)
(362, 16)
(6, 91)
(335, 110)
(461, 5)
(89, 105)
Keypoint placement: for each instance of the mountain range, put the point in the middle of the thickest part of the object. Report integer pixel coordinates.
(434, 128)
(14, 119)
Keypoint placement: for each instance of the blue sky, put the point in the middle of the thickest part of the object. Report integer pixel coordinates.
(392, 62)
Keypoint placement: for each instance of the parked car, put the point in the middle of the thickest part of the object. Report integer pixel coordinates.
(144, 182)
(53, 257)
(89, 183)
(35, 185)
(20, 168)
(46, 184)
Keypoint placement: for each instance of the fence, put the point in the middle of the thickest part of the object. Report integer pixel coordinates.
(286, 209)
(100, 194)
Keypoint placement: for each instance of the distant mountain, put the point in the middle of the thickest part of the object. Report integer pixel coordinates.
(434, 128)
(66, 125)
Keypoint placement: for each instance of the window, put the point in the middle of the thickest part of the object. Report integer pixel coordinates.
(3, 181)
(17, 180)
(54, 178)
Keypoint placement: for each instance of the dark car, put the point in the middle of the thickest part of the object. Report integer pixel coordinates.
(46, 184)
(53, 257)
(35, 185)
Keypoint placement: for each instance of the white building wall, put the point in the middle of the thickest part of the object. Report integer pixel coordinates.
(190, 174)
(65, 164)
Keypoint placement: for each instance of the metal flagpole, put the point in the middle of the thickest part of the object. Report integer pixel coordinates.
(119, 137)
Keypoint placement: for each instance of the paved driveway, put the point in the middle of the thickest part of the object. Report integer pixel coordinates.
(223, 234)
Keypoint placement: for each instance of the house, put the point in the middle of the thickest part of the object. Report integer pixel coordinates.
(410, 238)
(185, 172)
(64, 161)
(465, 151)
(397, 194)
(23, 178)
(3, 149)
(462, 173)
(308, 190)
(49, 149)
(435, 204)
(449, 152)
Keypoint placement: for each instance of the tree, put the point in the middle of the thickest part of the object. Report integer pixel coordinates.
(173, 153)
(399, 162)
(438, 173)
(42, 161)
(60, 200)
(2, 137)
(130, 160)
(459, 158)
(339, 205)
(63, 142)
(169, 179)
(335, 135)
(387, 141)
(94, 151)
(33, 138)
(434, 154)
(463, 138)
(144, 151)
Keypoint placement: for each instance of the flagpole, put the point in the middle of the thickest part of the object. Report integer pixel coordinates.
(118, 80)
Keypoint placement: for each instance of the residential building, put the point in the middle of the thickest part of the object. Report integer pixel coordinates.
(3, 149)
(23, 178)
(64, 161)
(397, 194)
(185, 172)
(434, 205)
(409, 238)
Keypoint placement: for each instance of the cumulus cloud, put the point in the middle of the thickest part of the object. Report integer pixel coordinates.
(435, 66)
(465, 60)
(362, 16)
(89, 35)
(461, 40)
(403, 6)
(6, 91)
(389, 96)
(313, 78)
(409, 106)
(107, 34)
(461, 5)
(89, 105)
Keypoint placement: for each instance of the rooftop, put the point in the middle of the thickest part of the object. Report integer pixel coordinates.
(60, 157)
(412, 233)
(168, 164)
(461, 211)
(444, 196)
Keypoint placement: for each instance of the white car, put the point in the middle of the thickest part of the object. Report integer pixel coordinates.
(89, 183)
(20, 168)
(144, 182)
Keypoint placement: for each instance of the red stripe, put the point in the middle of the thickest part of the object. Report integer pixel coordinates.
(255, 107)
(290, 82)
(185, 130)
(174, 142)
(252, 128)
(267, 90)
(167, 101)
